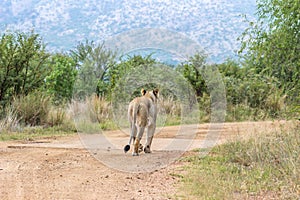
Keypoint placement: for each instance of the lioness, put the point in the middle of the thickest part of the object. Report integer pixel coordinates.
(142, 112)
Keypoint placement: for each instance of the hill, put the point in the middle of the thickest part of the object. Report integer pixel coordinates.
(214, 24)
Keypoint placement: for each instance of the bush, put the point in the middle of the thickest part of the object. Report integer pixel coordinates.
(243, 112)
(23, 65)
(60, 82)
(32, 109)
(93, 110)
(56, 116)
(99, 109)
(205, 107)
(169, 106)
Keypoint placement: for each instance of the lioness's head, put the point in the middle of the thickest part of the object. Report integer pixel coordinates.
(153, 94)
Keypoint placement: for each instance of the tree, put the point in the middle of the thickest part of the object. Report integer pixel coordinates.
(60, 82)
(93, 61)
(23, 64)
(116, 73)
(193, 72)
(272, 43)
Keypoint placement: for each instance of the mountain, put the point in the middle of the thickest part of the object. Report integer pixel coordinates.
(214, 24)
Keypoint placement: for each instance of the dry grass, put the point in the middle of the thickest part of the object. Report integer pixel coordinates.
(32, 109)
(10, 122)
(262, 167)
(94, 109)
(168, 106)
(56, 116)
(92, 115)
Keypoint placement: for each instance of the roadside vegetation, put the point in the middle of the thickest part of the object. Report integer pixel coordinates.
(43, 89)
(266, 166)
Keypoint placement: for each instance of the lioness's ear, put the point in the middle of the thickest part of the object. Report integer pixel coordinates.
(143, 91)
(155, 92)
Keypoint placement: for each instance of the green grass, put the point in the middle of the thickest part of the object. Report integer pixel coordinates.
(266, 166)
(38, 132)
(31, 133)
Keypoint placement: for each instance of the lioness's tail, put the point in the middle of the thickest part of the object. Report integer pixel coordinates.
(126, 148)
(132, 135)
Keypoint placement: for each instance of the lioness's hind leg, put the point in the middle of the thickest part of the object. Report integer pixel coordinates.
(147, 147)
(139, 149)
(137, 144)
(150, 133)
(136, 147)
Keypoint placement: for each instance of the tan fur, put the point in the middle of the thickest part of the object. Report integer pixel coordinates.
(142, 112)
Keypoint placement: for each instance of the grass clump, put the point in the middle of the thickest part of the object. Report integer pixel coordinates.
(32, 109)
(92, 114)
(262, 167)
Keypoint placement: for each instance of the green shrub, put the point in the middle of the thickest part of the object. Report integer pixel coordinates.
(23, 64)
(205, 107)
(60, 82)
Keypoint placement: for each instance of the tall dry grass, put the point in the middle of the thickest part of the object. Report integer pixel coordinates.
(10, 122)
(57, 116)
(167, 105)
(32, 109)
(94, 109)
(92, 114)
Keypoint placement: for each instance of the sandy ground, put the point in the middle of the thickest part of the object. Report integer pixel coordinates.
(95, 166)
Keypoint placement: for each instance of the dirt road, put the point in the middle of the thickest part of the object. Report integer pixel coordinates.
(77, 168)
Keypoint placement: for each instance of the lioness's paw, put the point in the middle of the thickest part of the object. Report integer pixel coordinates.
(134, 154)
(147, 149)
